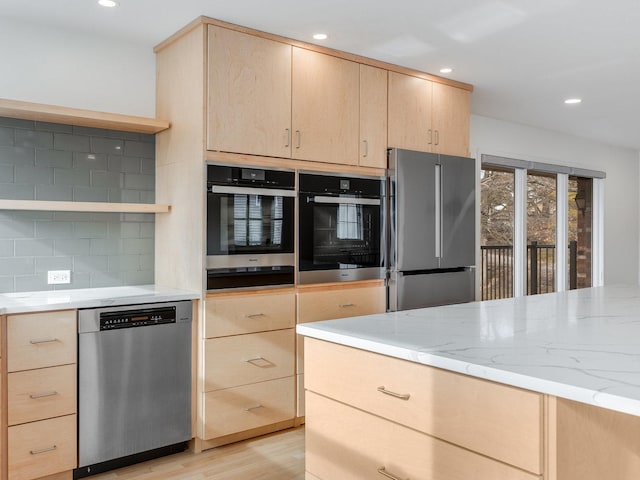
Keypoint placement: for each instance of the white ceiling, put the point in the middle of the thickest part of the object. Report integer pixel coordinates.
(524, 57)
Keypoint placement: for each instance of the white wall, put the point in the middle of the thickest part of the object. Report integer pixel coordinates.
(621, 241)
(44, 65)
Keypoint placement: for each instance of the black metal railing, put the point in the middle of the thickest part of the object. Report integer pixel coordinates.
(497, 269)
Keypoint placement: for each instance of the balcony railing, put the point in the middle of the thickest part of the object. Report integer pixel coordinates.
(497, 269)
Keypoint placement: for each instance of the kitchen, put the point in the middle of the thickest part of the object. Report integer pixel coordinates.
(493, 139)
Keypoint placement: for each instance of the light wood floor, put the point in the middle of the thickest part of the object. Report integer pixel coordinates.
(279, 456)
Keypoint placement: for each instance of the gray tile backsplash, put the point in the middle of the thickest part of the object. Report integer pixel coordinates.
(47, 161)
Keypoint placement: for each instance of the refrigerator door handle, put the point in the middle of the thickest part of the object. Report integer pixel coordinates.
(438, 219)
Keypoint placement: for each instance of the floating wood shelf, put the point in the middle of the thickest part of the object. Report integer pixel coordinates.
(85, 118)
(59, 206)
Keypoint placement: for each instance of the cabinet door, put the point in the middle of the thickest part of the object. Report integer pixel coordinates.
(324, 108)
(373, 117)
(249, 94)
(410, 112)
(451, 114)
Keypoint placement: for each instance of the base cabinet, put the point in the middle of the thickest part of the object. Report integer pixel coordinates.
(248, 363)
(349, 444)
(326, 302)
(41, 395)
(42, 448)
(369, 415)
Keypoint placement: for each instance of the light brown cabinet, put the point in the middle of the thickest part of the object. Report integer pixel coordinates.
(428, 116)
(367, 412)
(326, 302)
(268, 98)
(373, 117)
(350, 444)
(41, 394)
(324, 108)
(248, 365)
(249, 94)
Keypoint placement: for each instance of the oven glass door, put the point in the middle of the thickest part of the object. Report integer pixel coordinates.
(251, 224)
(339, 233)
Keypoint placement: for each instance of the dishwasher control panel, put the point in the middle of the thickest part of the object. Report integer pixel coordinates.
(140, 317)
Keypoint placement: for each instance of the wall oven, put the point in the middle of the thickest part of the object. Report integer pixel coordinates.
(250, 227)
(341, 234)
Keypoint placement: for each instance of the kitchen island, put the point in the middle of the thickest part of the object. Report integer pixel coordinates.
(544, 386)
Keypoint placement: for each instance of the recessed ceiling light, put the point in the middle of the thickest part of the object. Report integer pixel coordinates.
(320, 36)
(572, 101)
(108, 3)
(446, 70)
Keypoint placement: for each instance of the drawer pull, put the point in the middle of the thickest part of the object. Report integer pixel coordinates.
(383, 471)
(265, 362)
(43, 395)
(401, 396)
(38, 342)
(254, 315)
(346, 305)
(44, 450)
(255, 407)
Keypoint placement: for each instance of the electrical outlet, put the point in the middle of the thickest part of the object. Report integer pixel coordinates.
(56, 277)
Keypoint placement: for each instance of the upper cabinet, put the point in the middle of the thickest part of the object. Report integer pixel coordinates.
(271, 99)
(451, 112)
(258, 98)
(373, 117)
(249, 94)
(324, 108)
(428, 116)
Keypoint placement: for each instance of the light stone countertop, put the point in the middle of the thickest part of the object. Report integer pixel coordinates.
(582, 345)
(27, 302)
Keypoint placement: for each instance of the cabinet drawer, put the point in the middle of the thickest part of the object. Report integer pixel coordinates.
(244, 359)
(248, 314)
(42, 393)
(345, 443)
(496, 420)
(340, 303)
(336, 303)
(42, 448)
(251, 406)
(41, 340)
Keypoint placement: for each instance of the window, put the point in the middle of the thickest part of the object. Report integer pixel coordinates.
(539, 228)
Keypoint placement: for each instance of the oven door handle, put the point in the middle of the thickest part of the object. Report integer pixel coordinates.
(267, 192)
(345, 200)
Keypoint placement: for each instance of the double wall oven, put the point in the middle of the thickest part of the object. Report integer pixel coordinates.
(250, 227)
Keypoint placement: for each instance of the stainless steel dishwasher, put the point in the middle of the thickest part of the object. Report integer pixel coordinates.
(134, 388)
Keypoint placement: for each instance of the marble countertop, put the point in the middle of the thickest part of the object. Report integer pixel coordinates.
(25, 302)
(583, 345)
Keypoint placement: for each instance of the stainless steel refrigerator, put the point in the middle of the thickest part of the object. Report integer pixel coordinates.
(431, 229)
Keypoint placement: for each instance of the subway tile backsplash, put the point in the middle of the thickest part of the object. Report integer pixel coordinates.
(45, 161)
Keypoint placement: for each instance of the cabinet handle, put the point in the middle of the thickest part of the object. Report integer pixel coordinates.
(437, 137)
(254, 315)
(38, 342)
(266, 363)
(288, 130)
(366, 148)
(430, 136)
(255, 407)
(43, 395)
(383, 471)
(297, 138)
(401, 396)
(44, 450)
(346, 305)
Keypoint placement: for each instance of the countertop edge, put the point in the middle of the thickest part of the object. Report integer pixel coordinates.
(73, 299)
(561, 390)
